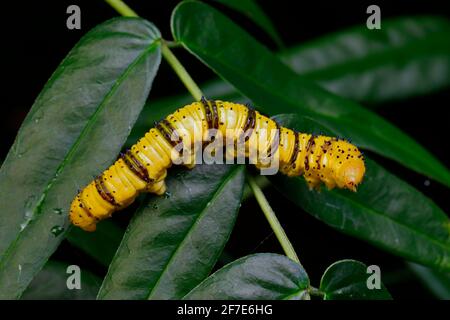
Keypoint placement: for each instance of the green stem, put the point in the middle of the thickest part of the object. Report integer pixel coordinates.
(184, 76)
(261, 181)
(315, 292)
(273, 220)
(122, 8)
(172, 44)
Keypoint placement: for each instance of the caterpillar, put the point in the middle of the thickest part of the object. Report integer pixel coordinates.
(143, 168)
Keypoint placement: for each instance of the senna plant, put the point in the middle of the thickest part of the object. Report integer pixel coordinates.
(97, 102)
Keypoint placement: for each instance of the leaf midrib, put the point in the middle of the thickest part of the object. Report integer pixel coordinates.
(300, 292)
(191, 228)
(90, 122)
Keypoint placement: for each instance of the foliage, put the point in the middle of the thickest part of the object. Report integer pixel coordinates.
(94, 98)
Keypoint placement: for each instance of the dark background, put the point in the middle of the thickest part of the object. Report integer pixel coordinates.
(35, 39)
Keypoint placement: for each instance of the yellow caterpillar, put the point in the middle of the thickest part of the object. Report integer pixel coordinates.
(143, 168)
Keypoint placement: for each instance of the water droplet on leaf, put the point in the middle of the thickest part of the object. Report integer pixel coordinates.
(29, 211)
(58, 210)
(57, 230)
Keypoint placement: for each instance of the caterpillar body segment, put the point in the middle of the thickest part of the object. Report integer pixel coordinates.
(175, 140)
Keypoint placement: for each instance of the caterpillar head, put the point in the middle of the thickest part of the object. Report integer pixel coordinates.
(351, 169)
(350, 174)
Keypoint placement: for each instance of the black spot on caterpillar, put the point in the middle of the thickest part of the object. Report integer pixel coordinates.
(143, 168)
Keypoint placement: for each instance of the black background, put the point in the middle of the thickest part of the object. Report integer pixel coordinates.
(35, 39)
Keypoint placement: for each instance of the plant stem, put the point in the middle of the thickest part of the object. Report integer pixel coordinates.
(315, 292)
(122, 8)
(184, 76)
(172, 44)
(273, 220)
(261, 181)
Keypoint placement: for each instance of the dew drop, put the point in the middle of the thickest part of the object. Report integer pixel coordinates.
(427, 183)
(28, 212)
(167, 194)
(57, 230)
(20, 272)
(155, 206)
(58, 210)
(37, 117)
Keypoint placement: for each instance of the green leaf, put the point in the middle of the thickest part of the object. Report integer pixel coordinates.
(437, 282)
(100, 245)
(74, 130)
(407, 57)
(347, 280)
(172, 243)
(273, 87)
(385, 210)
(262, 276)
(50, 284)
(253, 11)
